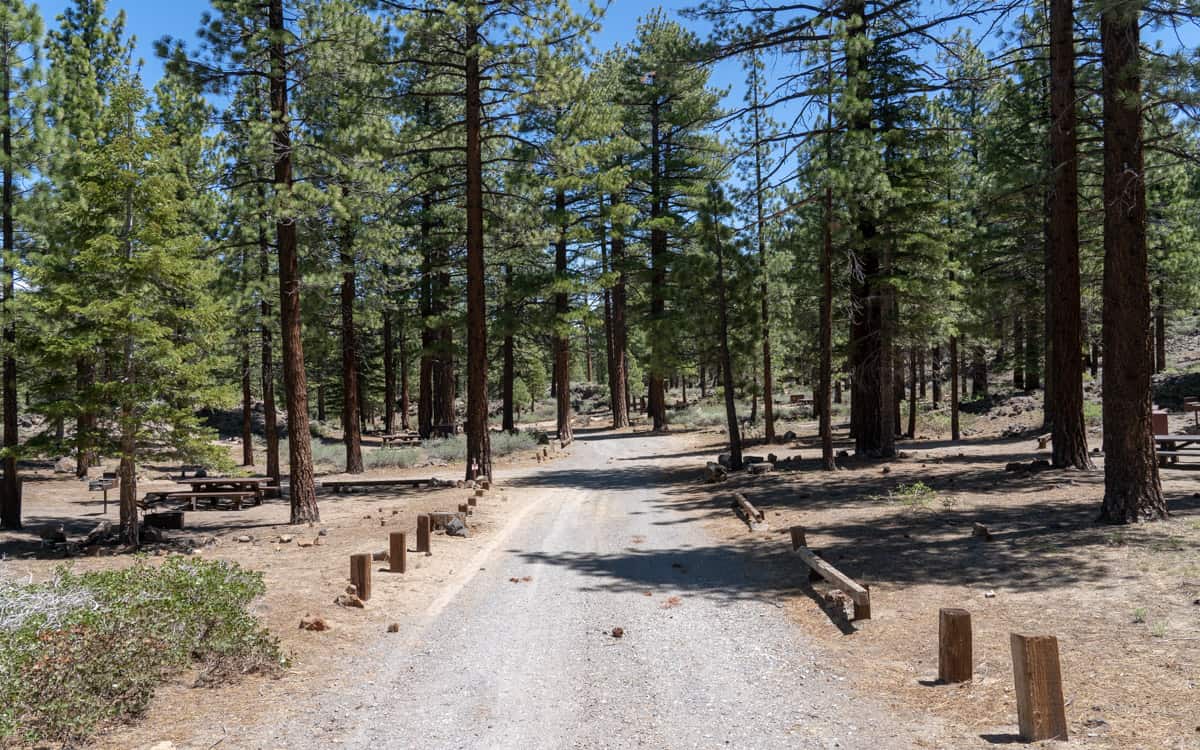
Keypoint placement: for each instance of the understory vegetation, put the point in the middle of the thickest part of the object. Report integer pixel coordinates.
(84, 649)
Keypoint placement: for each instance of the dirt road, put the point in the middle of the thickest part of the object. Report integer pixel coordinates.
(707, 658)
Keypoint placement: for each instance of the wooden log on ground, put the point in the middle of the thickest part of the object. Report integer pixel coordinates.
(954, 645)
(748, 508)
(423, 531)
(360, 574)
(1041, 713)
(398, 552)
(857, 593)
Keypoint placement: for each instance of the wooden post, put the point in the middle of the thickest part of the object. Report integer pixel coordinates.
(464, 509)
(798, 539)
(360, 575)
(398, 551)
(485, 484)
(471, 501)
(479, 493)
(423, 526)
(1041, 713)
(954, 645)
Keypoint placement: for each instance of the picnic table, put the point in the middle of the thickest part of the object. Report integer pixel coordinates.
(212, 489)
(403, 438)
(1173, 446)
(1192, 404)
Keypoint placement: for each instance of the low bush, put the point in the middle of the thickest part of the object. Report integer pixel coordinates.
(392, 458)
(447, 449)
(83, 650)
(504, 443)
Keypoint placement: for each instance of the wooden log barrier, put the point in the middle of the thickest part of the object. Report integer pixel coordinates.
(423, 530)
(398, 551)
(360, 575)
(1041, 713)
(753, 515)
(954, 645)
(857, 593)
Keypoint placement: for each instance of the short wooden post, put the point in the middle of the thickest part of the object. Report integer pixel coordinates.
(471, 501)
(862, 609)
(464, 509)
(954, 645)
(798, 539)
(398, 551)
(487, 485)
(423, 527)
(1041, 713)
(479, 492)
(360, 575)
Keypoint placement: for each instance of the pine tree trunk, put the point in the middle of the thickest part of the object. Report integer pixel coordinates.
(912, 393)
(1033, 362)
(620, 389)
(610, 359)
(85, 421)
(1069, 430)
(302, 488)
(562, 344)
(979, 372)
(1018, 371)
(936, 384)
(955, 434)
(921, 376)
(1132, 491)
(764, 291)
(351, 435)
(479, 447)
(389, 375)
(731, 420)
(127, 472)
(508, 353)
(825, 376)
(247, 403)
(267, 365)
(404, 401)
(657, 408)
(428, 341)
(1160, 331)
(10, 490)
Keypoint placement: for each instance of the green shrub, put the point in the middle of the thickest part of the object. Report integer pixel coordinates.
(1093, 413)
(697, 416)
(913, 495)
(82, 650)
(447, 449)
(392, 458)
(504, 443)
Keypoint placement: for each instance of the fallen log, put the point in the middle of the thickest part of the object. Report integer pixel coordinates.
(753, 515)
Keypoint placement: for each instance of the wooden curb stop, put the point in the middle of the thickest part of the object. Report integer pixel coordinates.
(857, 593)
(753, 515)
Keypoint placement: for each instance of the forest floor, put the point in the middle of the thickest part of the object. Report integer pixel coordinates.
(726, 644)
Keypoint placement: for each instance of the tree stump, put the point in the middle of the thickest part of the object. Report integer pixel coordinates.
(398, 552)
(360, 575)
(1041, 713)
(954, 645)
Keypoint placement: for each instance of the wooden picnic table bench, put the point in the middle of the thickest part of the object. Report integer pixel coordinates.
(1173, 446)
(340, 485)
(213, 488)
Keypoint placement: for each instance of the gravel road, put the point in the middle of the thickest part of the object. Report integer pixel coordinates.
(706, 660)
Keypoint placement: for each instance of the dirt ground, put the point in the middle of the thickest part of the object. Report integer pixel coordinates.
(1124, 602)
(300, 580)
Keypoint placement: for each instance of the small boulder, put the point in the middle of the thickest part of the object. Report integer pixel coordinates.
(725, 460)
(245, 538)
(980, 531)
(64, 465)
(285, 538)
(380, 556)
(789, 436)
(54, 533)
(102, 530)
(315, 624)
(349, 601)
(716, 472)
(455, 527)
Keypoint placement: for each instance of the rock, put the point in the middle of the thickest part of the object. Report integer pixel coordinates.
(151, 534)
(543, 438)
(887, 470)
(617, 632)
(470, 484)
(980, 531)
(245, 538)
(459, 484)
(455, 527)
(319, 541)
(315, 624)
(302, 543)
(349, 600)
(323, 532)
(102, 530)
(789, 436)
(394, 627)
(716, 472)
(285, 538)
(760, 468)
(352, 590)
(54, 533)
(64, 465)
(989, 595)
(843, 454)
(725, 460)
(380, 556)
